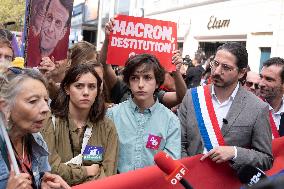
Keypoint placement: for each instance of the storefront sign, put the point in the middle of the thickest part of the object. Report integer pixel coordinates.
(214, 23)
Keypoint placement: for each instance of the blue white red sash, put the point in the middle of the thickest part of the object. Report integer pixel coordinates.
(206, 118)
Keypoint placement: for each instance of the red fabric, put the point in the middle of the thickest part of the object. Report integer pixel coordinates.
(274, 130)
(202, 175)
(278, 154)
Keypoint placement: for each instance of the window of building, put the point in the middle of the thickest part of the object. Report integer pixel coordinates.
(264, 55)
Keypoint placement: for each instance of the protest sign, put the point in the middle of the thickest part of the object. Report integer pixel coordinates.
(142, 35)
(48, 30)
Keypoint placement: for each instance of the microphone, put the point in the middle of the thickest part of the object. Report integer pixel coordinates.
(250, 175)
(225, 121)
(173, 169)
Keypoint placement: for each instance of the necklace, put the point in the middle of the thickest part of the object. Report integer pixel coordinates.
(23, 158)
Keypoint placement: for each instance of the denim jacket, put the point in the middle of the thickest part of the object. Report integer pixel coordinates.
(39, 159)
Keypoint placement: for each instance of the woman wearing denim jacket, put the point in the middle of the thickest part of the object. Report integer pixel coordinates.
(23, 102)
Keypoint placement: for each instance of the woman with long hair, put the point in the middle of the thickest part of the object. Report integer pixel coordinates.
(83, 142)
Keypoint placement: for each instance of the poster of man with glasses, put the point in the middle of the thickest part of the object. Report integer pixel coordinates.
(48, 30)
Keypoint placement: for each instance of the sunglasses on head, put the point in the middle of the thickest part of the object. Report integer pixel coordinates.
(15, 70)
(250, 84)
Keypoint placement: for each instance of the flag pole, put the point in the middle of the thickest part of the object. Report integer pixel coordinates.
(9, 145)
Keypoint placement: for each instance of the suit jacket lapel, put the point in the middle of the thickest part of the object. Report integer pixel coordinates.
(281, 126)
(234, 111)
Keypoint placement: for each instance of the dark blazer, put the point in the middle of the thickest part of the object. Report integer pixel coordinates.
(281, 126)
(247, 127)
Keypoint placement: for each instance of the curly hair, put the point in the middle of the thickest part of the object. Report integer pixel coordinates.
(150, 62)
(239, 51)
(60, 105)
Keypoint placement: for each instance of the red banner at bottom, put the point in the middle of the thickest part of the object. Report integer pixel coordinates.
(205, 174)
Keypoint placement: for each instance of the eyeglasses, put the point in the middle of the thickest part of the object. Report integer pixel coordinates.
(250, 84)
(224, 67)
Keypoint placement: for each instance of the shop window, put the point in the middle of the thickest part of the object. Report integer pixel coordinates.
(264, 55)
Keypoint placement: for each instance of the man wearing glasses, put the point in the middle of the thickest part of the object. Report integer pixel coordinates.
(223, 120)
(252, 82)
(271, 90)
(52, 40)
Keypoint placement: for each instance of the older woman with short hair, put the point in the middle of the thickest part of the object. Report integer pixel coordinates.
(23, 101)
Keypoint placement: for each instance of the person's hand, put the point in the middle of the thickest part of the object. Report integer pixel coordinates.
(93, 169)
(109, 27)
(177, 59)
(47, 65)
(21, 181)
(220, 154)
(50, 181)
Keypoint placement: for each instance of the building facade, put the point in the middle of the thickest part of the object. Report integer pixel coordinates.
(258, 24)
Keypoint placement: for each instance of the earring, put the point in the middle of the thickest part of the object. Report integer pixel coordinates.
(9, 124)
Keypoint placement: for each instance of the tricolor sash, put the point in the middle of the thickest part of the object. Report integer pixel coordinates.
(275, 133)
(206, 117)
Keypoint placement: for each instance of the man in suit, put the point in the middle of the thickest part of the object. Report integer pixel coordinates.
(272, 89)
(223, 120)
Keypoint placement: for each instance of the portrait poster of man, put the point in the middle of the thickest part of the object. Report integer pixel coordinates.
(48, 30)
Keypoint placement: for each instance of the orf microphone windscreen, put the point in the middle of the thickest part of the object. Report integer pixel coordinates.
(165, 162)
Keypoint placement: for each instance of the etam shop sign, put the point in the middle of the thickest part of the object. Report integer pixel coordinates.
(215, 23)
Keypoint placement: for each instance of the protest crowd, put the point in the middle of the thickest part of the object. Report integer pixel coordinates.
(75, 119)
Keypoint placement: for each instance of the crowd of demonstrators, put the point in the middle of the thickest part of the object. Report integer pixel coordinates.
(119, 91)
(80, 127)
(144, 125)
(23, 101)
(241, 119)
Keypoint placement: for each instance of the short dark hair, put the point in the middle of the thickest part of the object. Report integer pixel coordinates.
(68, 4)
(60, 105)
(150, 61)
(239, 51)
(277, 61)
(4, 42)
(6, 34)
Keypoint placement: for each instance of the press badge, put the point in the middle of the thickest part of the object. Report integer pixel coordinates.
(93, 153)
(153, 142)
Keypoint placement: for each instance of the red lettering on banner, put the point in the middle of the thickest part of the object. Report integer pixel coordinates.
(142, 35)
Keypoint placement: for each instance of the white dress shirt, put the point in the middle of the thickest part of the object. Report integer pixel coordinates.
(277, 115)
(221, 109)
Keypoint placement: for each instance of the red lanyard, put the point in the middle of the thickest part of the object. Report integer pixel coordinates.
(274, 130)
